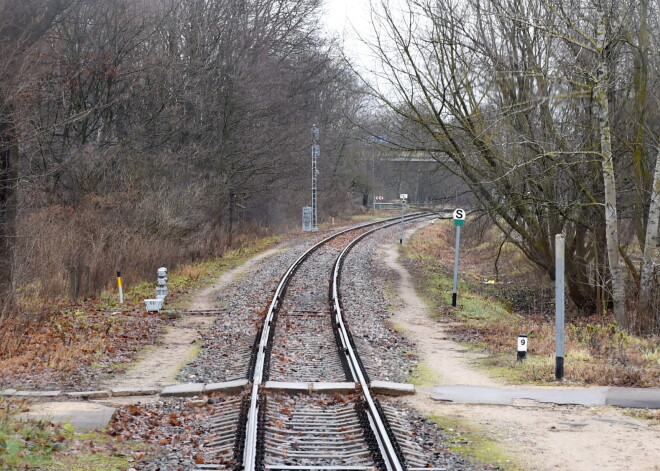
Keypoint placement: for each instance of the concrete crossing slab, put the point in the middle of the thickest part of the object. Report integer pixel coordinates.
(634, 397)
(472, 394)
(590, 397)
(390, 388)
(183, 390)
(84, 416)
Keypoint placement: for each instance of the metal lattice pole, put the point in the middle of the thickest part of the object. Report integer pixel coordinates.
(316, 152)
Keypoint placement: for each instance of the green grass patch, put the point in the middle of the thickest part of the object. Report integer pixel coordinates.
(650, 415)
(398, 328)
(97, 451)
(423, 375)
(367, 217)
(473, 442)
(535, 368)
(91, 462)
(472, 308)
(25, 444)
(30, 444)
(192, 355)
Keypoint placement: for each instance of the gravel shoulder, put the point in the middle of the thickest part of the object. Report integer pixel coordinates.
(538, 436)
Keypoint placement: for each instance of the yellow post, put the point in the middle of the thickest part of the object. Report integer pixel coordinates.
(121, 291)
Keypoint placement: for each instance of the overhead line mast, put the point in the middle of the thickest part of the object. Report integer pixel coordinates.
(316, 152)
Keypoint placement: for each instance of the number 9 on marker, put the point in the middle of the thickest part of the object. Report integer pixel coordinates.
(522, 347)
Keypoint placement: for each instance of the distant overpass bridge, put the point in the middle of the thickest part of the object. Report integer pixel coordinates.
(415, 156)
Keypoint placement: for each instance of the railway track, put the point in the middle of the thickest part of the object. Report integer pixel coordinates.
(305, 346)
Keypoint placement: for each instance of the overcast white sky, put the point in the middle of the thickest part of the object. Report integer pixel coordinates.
(350, 19)
(344, 18)
(341, 13)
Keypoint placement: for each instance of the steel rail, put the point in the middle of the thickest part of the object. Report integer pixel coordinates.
(392, 461)
(250, 450)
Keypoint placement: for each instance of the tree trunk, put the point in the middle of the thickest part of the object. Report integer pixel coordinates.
(230, 226)
(640, 82)
(22, 24)
(8, 184)
(650, 320)
(601, 92)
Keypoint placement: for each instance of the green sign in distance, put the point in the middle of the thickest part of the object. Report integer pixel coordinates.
(459, 222)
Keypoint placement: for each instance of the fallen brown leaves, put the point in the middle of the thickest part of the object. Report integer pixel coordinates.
(70, 347)
(167, 431)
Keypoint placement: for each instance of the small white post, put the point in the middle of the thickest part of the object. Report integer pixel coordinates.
(403, 210)
(161, 284)
(404, 197)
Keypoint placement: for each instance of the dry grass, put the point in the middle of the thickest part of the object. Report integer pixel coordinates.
(74, 253)
(491, 316)
(60, 342)
(192, 272)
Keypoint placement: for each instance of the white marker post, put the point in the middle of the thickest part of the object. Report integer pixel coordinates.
(404, 197)
(459, 220)
(559, 307)
(522, 347)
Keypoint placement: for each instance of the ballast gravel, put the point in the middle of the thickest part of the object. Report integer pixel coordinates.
(386, 354)
(225, 351)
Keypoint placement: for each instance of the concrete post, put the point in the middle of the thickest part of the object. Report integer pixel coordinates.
(559, 306)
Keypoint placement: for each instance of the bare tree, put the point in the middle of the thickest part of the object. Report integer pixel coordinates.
(22, 24)
(650, 257)
(182, 122)
(518, 99)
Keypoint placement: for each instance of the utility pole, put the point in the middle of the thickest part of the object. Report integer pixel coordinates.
(316, 152)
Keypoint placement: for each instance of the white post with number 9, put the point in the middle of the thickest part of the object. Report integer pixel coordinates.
(522, 347)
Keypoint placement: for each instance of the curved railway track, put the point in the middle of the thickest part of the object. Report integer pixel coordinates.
(305, 345)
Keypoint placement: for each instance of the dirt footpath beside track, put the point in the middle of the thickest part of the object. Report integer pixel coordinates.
(158, 367)
(537, 436)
